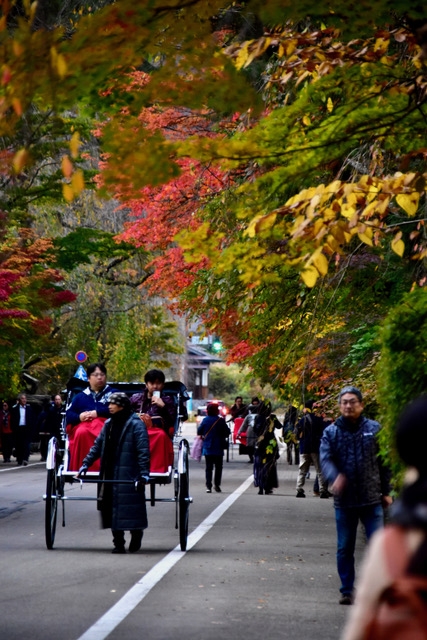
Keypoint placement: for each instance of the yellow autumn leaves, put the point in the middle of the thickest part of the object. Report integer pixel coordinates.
(74, 182)
(75, 179)
(58, 62)
(327, 217)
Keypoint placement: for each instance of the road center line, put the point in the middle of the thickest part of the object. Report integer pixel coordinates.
(21, 467)
(114, 616)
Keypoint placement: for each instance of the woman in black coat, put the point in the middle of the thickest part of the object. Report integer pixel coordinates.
(123, 447)
(266, 451)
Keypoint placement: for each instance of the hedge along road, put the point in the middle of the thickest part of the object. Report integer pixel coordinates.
(255, 565)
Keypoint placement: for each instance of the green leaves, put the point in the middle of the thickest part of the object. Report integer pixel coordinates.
(83, 244)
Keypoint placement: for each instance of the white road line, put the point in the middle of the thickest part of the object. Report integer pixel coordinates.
(114, 616)
(21, 466)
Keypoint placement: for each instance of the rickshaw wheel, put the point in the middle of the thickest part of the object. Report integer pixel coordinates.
(51, 508)
(183, 497)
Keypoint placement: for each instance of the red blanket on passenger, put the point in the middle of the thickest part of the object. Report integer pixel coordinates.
(237, 424)
(81, 437)
(161, 450)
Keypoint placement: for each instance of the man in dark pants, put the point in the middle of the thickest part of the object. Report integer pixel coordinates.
(213, 430)
(51, 424)
(309, 430)
(349, 456)
(23, 423)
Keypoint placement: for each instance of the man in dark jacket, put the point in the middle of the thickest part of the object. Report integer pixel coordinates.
(360, 483)
(309, 430)
(49, 424)
(124, 450)
(23, 425)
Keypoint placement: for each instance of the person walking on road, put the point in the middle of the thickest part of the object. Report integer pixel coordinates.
(350, 462)
(246, 432)
(289, 437)
(23, 422)
(214, 431)
(309, 430)
(266, 451)
(54, 417)
(6, 432)
(124, 450)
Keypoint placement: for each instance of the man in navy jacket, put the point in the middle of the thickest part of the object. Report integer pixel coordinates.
(349, 456)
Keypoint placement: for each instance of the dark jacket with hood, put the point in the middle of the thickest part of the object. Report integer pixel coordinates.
(124, 450)
(352, 449)
(214, 431)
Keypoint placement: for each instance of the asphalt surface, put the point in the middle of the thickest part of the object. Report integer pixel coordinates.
(257, 566)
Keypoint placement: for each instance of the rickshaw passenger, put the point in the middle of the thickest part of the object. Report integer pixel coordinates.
(159, 412)
(87, 414)
(153, 402)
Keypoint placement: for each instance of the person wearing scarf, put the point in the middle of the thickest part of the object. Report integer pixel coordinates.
(123, 448)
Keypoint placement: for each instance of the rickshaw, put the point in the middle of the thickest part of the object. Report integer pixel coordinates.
(177, 475)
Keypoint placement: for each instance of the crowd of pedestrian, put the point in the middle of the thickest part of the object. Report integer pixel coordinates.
(391, 592)
(21, 426)
(345, 455)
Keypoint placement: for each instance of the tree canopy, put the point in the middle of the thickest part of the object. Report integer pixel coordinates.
(314, 227)
(270, 158)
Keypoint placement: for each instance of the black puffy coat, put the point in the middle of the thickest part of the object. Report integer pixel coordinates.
(130, 462)
(353, 450)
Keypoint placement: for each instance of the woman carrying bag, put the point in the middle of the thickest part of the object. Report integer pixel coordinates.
(214, 431)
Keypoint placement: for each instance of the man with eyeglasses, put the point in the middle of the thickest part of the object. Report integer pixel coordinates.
(350, 461)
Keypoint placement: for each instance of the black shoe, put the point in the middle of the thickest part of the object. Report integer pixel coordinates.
(135, 542)
(300, 494)
(324, 494)
(260, 492)
(25, 462)
(119, 550)
(346, 599)
(217, 489)
(208, 490)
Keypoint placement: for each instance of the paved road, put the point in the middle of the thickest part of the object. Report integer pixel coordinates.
(258, 566)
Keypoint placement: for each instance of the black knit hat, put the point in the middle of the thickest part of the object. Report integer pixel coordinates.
(120, 399)
(411, 435)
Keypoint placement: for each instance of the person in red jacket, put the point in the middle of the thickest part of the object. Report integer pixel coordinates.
(6, 432)
(23, 421)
